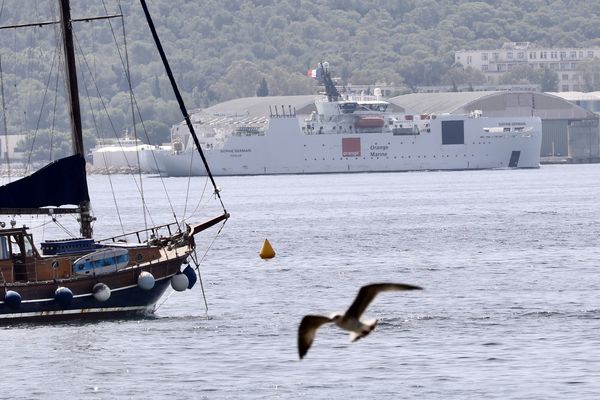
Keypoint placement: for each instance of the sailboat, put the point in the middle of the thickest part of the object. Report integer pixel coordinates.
(83, 277)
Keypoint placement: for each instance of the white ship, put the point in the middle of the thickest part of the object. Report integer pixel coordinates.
(351, 134)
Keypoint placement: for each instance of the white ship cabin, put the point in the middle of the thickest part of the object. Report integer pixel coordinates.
(213, 130)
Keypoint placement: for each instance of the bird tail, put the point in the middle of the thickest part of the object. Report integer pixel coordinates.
(367, 328)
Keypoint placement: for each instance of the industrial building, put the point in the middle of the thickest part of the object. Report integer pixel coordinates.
(570, 132)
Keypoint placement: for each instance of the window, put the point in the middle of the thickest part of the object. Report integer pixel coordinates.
(495, 56)
(532, 55)
(509, 55)
(453, 132)
(563, 55)
(484, 67)
(484, 56)
(565, 77)
(590, 54)
(564, 88)
(520, 55)
(573, 54)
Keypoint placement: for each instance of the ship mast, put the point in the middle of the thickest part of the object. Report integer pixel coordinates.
(75, 112)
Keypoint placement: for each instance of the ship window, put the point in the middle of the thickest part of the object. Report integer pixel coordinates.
(453, 132)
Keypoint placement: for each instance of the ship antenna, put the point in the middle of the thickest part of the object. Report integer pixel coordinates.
(330, 89)
(179, 98)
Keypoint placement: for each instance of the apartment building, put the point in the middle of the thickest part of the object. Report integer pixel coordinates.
(565, 61)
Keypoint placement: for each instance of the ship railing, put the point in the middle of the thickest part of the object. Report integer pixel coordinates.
(283, 113)
(152, 233)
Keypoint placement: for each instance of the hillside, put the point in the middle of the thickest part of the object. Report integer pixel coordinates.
(223, 49)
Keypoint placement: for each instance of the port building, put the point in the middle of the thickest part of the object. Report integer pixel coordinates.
(566, 62)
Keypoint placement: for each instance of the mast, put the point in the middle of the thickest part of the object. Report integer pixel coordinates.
(330, 89)
(182, 106)
(85, 219)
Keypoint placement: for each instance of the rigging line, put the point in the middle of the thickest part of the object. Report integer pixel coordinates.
(110, 182)
(126, 70)
(135, 135)
(201, 283)
(52, 126)
(189, 181)
(37, 126)
(156, 307)
(165, 191)
(197, 262)
(62, 227)
(178, 96)
(103, 104)
(199, 201)
(4, 116)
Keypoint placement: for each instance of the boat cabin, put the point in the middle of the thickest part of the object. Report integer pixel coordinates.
(17, 255)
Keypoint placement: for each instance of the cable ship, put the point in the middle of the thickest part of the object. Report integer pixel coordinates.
(349, 133)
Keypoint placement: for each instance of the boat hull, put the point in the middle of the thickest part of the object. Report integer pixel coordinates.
(126, 297)
(286, 149)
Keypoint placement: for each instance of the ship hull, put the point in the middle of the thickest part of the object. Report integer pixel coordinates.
(286, 149)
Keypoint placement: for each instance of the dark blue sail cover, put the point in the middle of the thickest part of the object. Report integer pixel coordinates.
(59, 183)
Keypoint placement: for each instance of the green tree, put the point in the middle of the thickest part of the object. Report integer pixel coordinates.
(590, 75)
(521, 74)
(549, 81)
(263, 89)
(153, 132)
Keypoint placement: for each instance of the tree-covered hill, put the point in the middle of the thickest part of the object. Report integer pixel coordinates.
(224, 49)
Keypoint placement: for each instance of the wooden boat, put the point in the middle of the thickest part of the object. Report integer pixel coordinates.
(84, 277)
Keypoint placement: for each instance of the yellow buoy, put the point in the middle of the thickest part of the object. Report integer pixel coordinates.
(267, 251)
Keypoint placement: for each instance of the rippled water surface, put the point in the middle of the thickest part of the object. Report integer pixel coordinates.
(509, 261)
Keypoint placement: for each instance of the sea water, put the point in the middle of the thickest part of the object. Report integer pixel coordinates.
(509, 260)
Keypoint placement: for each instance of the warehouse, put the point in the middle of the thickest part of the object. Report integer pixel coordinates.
(570, 132)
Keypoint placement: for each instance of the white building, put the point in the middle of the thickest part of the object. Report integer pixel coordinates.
(495, 63)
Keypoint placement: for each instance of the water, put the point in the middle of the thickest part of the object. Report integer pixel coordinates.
(510, 310)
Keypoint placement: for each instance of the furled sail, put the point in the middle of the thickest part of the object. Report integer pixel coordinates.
(62, 182)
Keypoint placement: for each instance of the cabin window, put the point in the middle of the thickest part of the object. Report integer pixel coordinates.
(4, 252)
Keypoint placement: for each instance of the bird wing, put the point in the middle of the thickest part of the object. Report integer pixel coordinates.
(307, 330)
(367, 293)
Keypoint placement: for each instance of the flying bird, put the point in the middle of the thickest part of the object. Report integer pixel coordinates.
(350, 320)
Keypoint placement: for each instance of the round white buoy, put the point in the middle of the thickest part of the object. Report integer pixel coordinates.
(179, 282)
(101, 291)
(146, 280)
(63, 296)
(12, 299)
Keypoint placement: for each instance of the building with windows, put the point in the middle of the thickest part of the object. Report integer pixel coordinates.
(564, 61)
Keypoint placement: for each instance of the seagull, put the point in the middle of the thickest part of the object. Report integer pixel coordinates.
(350, 320)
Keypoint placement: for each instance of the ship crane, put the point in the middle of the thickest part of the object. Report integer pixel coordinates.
(325, 77)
